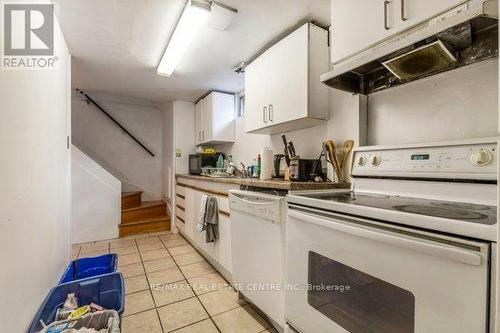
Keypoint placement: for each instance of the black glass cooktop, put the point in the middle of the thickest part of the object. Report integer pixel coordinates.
(462, 211)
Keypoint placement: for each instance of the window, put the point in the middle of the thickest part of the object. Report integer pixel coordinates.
(241, 104)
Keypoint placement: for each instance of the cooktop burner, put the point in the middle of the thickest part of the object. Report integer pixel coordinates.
(448, 213)
(462, 211)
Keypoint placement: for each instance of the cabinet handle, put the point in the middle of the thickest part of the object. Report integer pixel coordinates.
(264, 110)
(386, 19)
(403, 10)
(270, 112)
(203, 135)
(199, 136)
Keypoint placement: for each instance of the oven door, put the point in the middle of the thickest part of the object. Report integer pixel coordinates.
(346, 274)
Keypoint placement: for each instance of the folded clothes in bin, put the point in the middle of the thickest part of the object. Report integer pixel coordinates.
(107, 321)
(87, 267)
(106, 290)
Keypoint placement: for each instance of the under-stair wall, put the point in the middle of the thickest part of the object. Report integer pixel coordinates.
(102, 140)
(95, 202)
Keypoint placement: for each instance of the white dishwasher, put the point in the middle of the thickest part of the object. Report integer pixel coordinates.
(258, 249)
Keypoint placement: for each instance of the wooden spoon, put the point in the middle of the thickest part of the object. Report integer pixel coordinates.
(348, 145)
(330, 146)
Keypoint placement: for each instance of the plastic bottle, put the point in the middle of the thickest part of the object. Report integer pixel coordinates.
(259, 165)
(220, 162)
(254, 168)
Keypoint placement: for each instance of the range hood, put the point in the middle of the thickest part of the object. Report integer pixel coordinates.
(440, 44)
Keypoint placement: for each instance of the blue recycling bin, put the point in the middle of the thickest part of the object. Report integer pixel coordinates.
(87, 267)
(106, 290)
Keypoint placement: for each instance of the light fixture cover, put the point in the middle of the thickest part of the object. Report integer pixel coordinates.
(192, 19)
(221, 16)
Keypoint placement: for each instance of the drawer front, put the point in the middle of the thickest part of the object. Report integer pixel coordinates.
(180, 212)
(223, 203)
(180, 200)
(179, 189)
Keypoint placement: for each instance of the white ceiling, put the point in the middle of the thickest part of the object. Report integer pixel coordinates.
(117, 44)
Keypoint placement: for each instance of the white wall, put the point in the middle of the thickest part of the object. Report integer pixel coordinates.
(184, 134)
(452, 105)
(102, 140)
(168, 152)
(178, 135)
(35, 186)
(95, 200)
(307, 142)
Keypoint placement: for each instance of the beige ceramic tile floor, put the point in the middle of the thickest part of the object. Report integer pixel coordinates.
(170, 287)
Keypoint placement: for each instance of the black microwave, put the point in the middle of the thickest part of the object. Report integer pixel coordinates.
(200, 160)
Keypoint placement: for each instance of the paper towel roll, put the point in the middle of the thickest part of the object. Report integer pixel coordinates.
(266, 169)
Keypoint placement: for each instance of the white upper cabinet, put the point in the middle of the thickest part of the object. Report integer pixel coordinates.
(282, 87)
(359, 24)
(413, 12)
(215, 118)
(255, 92)
(199, 122)
(285, 106)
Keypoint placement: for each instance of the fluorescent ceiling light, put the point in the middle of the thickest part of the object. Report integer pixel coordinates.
(192, 18)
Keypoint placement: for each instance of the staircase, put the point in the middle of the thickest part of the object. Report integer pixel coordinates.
(142, 217)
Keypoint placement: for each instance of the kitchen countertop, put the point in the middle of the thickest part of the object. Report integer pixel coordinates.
(274, 183)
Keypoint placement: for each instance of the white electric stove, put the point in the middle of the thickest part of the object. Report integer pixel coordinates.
(406, 250)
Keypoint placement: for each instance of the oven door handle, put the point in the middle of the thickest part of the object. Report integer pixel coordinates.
(415, 244)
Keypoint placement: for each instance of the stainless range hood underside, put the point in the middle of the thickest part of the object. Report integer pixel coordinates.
(470, 42)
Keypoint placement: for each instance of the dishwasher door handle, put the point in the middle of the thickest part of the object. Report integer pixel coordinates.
(411, 243)
(254, 202)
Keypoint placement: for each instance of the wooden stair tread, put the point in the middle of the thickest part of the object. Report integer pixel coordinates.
(145, 205)
(148, 220)
(130, 194)
(145, 226)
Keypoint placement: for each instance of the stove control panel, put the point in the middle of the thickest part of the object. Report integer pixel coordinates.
(473, 160)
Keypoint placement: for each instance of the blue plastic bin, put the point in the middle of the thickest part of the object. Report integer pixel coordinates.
(89, 267)
(106, 290)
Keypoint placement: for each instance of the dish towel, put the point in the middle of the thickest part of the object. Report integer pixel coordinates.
(211, 224)
(201, 213)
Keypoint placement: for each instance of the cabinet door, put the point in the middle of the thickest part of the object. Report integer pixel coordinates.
(225, 254)
(358, 24)
(199, 238)
(256, 94)
(288, 77)
(413, 12)
(199, 122)
(208, 118)
(222, 117)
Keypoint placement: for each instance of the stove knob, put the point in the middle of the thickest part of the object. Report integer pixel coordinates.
(375, 160)
(362, 161)
(481, 158)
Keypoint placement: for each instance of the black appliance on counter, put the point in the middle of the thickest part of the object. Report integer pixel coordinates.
(277, 165)
(200, 160)
(304, 170)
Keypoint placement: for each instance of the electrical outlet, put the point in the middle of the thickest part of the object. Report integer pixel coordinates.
(178, 153)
